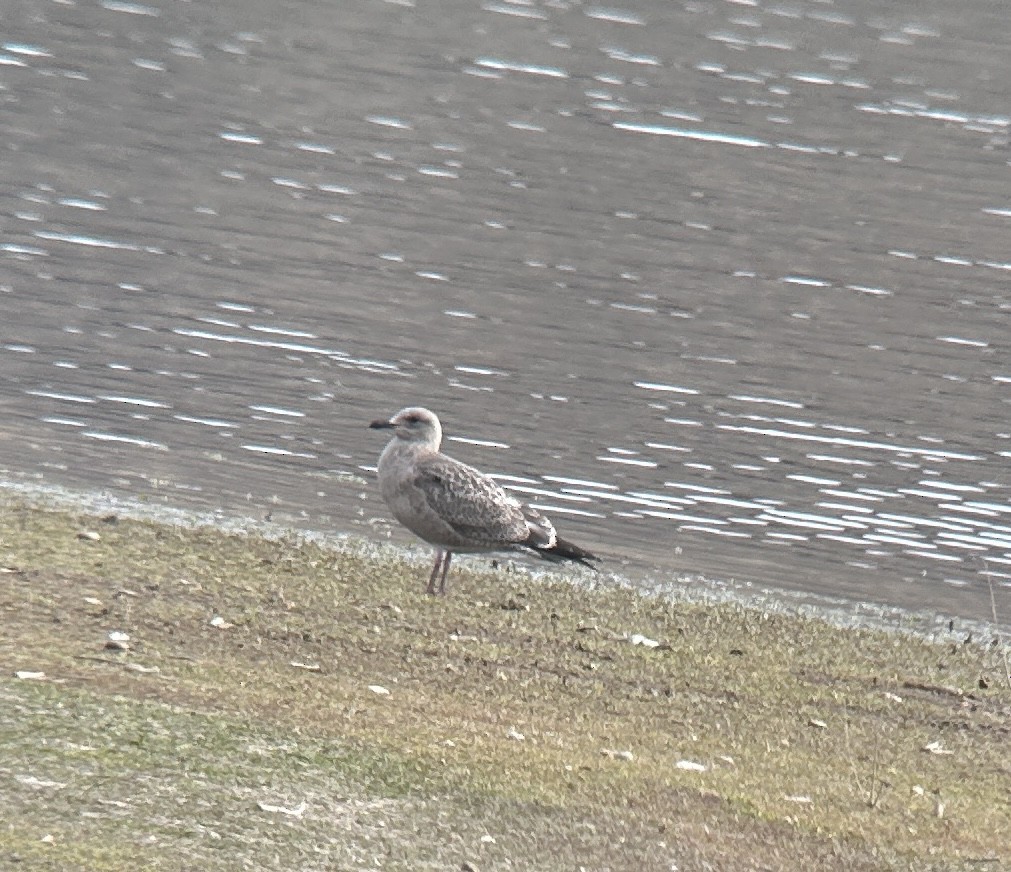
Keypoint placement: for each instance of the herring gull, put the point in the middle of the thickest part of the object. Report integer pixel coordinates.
(453, 506)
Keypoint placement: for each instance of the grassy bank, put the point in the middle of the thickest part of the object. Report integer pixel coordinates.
(281, 705)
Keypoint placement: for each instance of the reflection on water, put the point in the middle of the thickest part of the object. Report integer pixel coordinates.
(724, 284)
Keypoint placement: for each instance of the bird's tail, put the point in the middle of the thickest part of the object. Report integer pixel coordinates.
(563, 550)
(548, 545)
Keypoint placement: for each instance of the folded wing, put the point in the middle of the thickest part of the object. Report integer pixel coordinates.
(471, 504)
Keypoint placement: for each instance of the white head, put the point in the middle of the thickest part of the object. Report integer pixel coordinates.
(414, 424)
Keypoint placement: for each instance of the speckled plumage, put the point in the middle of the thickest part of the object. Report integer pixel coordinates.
(452, 505)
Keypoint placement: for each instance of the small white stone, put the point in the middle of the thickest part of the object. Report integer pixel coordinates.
(645, 641)
(379, 689)
(117, 640)
(42, 783)
(291, 811)
(690, 765)
(25, 675)
(515, 735)
(220, 623)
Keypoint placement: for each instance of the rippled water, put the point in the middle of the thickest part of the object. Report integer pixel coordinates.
(722, 285)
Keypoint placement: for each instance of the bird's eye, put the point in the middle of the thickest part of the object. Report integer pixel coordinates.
(412, 419)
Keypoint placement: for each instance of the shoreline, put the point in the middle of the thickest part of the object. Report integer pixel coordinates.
(839, 611)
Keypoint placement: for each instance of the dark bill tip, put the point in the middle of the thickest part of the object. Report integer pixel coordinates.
(381, 425)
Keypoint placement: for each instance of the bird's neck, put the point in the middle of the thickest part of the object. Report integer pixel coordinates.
(399, 450)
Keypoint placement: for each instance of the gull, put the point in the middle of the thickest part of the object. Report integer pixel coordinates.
(453, 506)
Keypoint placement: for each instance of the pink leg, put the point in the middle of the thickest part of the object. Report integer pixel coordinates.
(439, 555)
(445, 569)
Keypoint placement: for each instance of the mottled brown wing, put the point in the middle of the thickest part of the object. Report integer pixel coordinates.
(477, 509)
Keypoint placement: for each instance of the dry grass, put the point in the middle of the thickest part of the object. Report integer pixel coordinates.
(521, 728)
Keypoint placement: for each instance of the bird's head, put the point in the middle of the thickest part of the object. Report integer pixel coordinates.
(414, 424)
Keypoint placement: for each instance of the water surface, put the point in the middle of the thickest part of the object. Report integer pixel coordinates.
(722, 285)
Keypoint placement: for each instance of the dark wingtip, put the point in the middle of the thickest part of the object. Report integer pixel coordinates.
(565, 550)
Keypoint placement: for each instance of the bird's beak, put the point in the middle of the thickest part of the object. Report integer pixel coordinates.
(382, 425)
